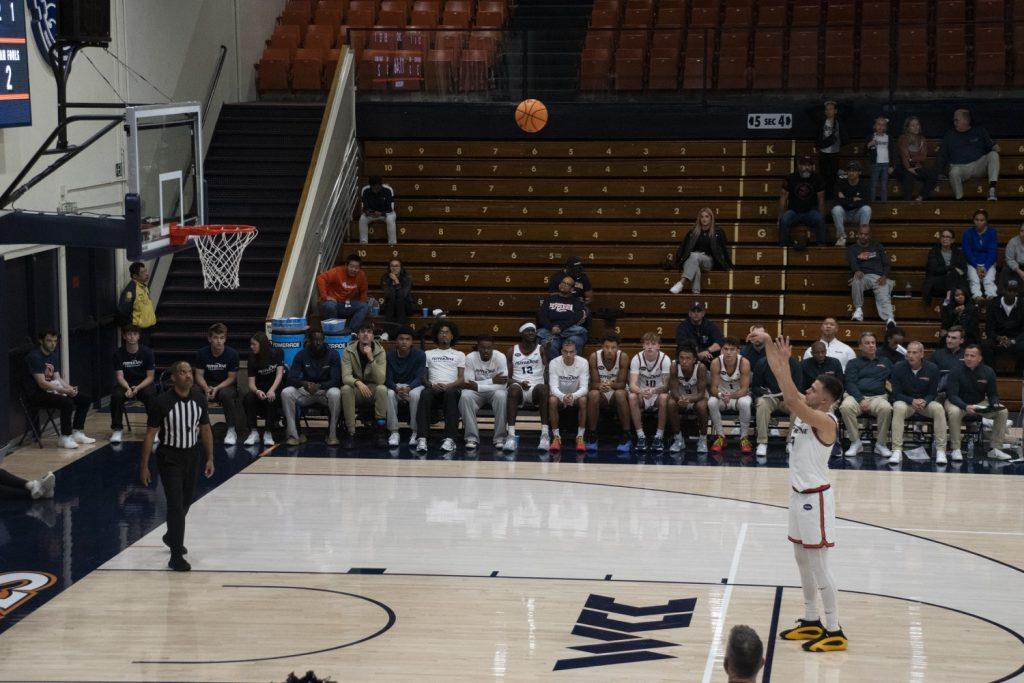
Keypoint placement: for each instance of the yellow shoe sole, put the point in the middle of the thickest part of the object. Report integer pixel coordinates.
(827, 644)
(802, 633)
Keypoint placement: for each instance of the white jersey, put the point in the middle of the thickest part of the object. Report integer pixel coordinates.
(527, 368)
(808, 457)
(608, 374)
(836, 349)
(483, 373)
(686, 385)
(730, 381)
(650, 375)
(443, 365)
(568, 379)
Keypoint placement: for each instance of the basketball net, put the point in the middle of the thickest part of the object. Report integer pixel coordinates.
(220, 250)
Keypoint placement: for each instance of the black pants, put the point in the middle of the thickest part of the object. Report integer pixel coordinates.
(12, 486)
(991, 352)
(234, 414)
(937, 286)
(396, 310)
(928, 178)
(428, 399)
(255, 408)
(179, 469)
(828, 167)
(68, 406)
(117, 401)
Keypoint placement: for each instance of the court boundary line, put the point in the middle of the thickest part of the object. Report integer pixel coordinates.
(730, 582)
(769, 654)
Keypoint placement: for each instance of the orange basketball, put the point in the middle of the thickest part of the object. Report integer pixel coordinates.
(531, 115)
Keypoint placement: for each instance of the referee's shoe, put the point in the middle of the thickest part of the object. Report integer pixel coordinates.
(804, 630)
(830, 641)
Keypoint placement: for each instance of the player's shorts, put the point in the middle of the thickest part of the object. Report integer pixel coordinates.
(650, 404)
(528, 399)
(812, 519)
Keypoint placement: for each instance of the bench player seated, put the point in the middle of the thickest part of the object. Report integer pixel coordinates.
(569, 381)
(648, 390)
(688, 393)
(609, 373)
(526, 387)
(486, 381)
(730, 390)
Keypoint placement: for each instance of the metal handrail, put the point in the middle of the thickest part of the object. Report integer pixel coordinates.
(214, 80)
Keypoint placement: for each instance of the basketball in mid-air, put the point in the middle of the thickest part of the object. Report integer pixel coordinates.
(531, 115)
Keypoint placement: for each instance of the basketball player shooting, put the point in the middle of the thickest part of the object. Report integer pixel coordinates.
(812, 510)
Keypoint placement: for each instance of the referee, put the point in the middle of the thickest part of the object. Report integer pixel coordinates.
(181, 417)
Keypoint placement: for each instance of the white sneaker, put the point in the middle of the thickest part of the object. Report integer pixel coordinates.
(858, 314)
(394, 440)
(762, 449)
(156, 440)
(253, 438)
(79, 436)
(855, 448)
(421, 445)
(774, 431)
(471, 445)
(117, 436)
(940, 456)
(231, 438)
(992, 194)
(841, 241)
(510, 444)
(677, 444)
(48, 484)
(676, 288)
(68, 442)
(384, 336)
(986, 422)
(996, 454)
(268, 438)
(896, 458)
(413, 439)
(448, 445)
(956, 455)
(883, 450)
(545, 443)
(35, 489)
(702, 444)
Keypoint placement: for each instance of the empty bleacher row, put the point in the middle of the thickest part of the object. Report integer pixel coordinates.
(438, 45)
(668, 45)
(483, 224)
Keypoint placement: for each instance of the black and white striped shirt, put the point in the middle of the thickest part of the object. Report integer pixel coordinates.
(179, 418)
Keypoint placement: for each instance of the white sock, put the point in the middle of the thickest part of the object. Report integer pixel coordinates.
(512, 432)
(544, 430)
(555, 434)
(807, 583)
(659, 434)
(580, 431)
(818, 561)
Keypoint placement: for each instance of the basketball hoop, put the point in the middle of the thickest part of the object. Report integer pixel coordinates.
(220, 250)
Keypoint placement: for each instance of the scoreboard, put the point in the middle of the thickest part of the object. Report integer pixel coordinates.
(15, 101)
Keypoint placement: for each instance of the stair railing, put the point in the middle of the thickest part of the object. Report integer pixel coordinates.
(328, 198)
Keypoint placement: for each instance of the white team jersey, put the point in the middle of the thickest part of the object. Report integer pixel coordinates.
(650, 375)
(688, 386)
(808, 457)
(568, 379)
(528, 368)
(608, 374)
(729, 381)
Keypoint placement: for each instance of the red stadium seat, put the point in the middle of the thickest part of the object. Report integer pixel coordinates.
(361, 16)
(912, 12)
(990, 10)
(308, 69)
(330, 66)
(738, 13)
(874, 71)
(876, 13)
(670, 17)
(663, 71)
(457, 13)
(596, 70)
(803, 59)
(629, 69)
(949, 39)
(426, 13)
(451, 40)
(321, 37)
(329, 13)
(414, 38)
(704, 14)
(297, 12)
(912, 64)
(286, 37)
(273, 70)
(806, 13)
(696, 71)
(732, 71)
(951, 12)
(767, 59)
(670, 40)
(603, 18)
(771, 13)
(839, 58)
(439, 71)
(990, 69)
(383, 38)
(950, 69)
(631, 40)
(474, 71)
(638, 17)
(841, 13)
(490, 18)
(598, 39)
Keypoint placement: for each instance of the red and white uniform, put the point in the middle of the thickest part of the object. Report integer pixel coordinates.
(651, 375)
(608, 374)
(528, 368)
(812, 505)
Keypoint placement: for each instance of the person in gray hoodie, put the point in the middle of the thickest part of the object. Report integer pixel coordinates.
(869, 269)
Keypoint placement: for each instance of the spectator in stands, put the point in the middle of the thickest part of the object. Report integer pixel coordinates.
(816, 363)
(981, 245)
(609, 374)
(961, 312)
(406, 365)
(973, 390)
(864, 381)
(744, 655)
(378, 204)
(486, 385)
(910, 164)
(135, 307)
(802, 201)
(561, 317)
(266, 372)
(945, 270)
(343, 293)
(313, 379)
(753, 349)
(1014, 257)
(831, 138)
(648, 390)
(768, 396)
(52, 391)
(569, 381)
(134, 367)
(969, 152)
(699, 332)
(446, 367)
(216, 374)
(703, 248)
(893, 348)
(1004, 326)
(852, 195)
(526, 386)
(13, 487)
(915, 387)
(869, 265)
(688, 391)
(730, 390)
(581, 288)
(833, 347)
(396, 284)
(881, 160)
(363, 377)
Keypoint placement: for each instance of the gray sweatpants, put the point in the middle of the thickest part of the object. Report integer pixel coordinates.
(414, 402)
(987, 164)
(883, 294)
(470, 404)
(293, 396)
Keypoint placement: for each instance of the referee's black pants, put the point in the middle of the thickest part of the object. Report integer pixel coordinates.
(179, 469)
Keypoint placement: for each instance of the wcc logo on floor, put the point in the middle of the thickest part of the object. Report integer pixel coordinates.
(620, 641)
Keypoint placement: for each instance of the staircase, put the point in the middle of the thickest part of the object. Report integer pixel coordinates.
(255, 170)
(554, 31)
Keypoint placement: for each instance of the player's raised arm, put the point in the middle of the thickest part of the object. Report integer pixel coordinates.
(778, 353)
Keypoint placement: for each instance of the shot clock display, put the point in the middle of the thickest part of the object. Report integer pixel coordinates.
(15, 102)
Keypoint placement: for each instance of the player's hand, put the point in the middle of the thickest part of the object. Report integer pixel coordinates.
(210, 392)
(919, 404)
(364, 390)
(864, 405)
(858, 275)
(144, 476)
(882, 280)
(970, 410)
(72, 391)
(208, 472)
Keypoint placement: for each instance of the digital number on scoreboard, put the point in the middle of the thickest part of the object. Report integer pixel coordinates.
(15, 102)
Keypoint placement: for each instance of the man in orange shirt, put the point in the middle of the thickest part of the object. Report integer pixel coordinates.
(343, 292)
